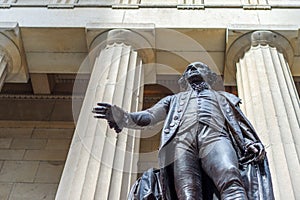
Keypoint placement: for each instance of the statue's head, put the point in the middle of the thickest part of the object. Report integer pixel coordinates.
(197, 72)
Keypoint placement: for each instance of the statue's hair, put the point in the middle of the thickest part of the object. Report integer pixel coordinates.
(210, 77)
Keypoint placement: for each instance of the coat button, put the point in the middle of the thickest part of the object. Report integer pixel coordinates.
(176, 117)
(181, 103)
(172, 124)
(179, 110)
(167, 131)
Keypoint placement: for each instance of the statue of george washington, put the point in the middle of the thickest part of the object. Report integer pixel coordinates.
(209, 150)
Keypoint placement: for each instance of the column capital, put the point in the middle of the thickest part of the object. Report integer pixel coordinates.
(9, 50)
(273, 39)
(12, 46)
(250, 40)
(139, 36)
(4, 54)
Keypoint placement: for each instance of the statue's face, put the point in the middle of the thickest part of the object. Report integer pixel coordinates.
(195, 72)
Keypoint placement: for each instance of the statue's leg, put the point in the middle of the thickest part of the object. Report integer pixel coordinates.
(221, 165)
(187, 175)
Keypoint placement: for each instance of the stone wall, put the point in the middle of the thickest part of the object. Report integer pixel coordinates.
(32, 157)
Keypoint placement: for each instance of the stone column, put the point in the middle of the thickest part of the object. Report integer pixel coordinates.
(101, 163)
(3, 67)
(13, 65)
(270, 100)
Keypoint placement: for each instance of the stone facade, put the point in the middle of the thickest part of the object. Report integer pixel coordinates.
(59, 52)
(32, 158)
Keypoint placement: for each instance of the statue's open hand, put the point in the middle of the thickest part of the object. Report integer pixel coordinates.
(112, 113)
(255, 152)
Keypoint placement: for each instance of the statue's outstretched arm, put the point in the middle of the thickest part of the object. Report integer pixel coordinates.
(117, 118)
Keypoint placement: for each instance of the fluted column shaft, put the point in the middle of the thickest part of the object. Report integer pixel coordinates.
(271, 102)
(100, 162)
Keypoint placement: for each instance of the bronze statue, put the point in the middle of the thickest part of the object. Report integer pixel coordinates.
(208, 147)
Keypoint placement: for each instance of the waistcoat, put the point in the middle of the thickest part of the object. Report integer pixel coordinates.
(209, 111)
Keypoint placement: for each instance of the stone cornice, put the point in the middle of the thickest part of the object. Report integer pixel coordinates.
(39, 97)
(36, 124)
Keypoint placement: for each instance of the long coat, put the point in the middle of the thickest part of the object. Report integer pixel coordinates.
(256, 176)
